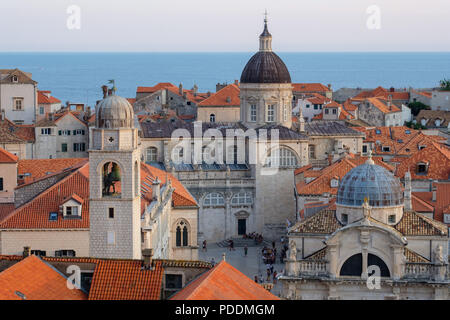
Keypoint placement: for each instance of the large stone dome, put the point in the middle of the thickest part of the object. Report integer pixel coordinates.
(370, 181)
(265, 67)
(114, 112)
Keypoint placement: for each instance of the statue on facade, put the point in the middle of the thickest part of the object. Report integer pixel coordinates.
(438, 255)
(292, 250)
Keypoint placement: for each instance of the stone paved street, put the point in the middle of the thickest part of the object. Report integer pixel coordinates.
(250, 266)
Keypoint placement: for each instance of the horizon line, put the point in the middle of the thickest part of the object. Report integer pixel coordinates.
(2, 52)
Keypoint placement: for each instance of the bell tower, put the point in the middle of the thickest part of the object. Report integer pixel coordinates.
(114, 181)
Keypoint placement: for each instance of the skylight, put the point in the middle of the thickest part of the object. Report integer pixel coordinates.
(53, 216)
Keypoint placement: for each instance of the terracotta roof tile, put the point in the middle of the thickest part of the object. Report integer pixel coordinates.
(159, 86)
(223, 282)
(416, 224)
(36, 280)
(322, 222)
(382, 105)
(6, 157)
(419, 205)
(309, 87)
(126, 280)
(435, 155)
(412, 256)
(39, 168)
(44, 99)
(227, 96)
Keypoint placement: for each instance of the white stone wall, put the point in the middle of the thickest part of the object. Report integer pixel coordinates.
(12, 241)
(19, 90)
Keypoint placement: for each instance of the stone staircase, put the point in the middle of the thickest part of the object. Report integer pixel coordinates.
(240, 242)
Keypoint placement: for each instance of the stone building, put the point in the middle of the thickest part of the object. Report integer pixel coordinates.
(110, 205)
(236, 194)
(372, 246)
(46, 104)
(380, 112)
(61, 135)
(18, 96)
(222, 106)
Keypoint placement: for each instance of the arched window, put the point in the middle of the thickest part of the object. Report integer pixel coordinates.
(151, 154)
(353, 265)
(212, 117)
(182, 234)
(111, 180)
(242, 198)
(178, 155)
(213, 199)
(282, 157)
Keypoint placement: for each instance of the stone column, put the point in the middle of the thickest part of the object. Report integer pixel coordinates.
(332, 260)
(398, 261)
(364, 238)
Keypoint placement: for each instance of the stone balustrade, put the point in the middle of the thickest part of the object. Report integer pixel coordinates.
(427, 271)
(301, 268)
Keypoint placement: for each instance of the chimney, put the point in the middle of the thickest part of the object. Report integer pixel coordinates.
(180, 89)
(147, 254)
(195, 90)
(329, 86)
(236, 82)
(208, 94)
(392, 89)
(26, 251)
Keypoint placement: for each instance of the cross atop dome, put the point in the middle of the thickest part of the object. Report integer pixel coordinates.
(265, 39)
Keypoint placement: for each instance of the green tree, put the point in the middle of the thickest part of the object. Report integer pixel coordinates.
(417, 106)
(445, 84)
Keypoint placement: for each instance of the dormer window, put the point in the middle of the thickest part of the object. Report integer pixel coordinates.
(72, 207)
(386, 149)
(14, 79)
(422, 168)
(344, 218)
(420, 147)
(334, 183)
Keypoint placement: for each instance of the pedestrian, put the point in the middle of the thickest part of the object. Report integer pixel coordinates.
(268, 275)
(256, 279)
(261, 279)
(213, 262)
(231, 245)
(271, 268)
(245, 250)
(273, 244)
(204, 246)
(268, 268)
(275, 277)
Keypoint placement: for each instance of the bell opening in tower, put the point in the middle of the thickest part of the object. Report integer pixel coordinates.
(111, 180)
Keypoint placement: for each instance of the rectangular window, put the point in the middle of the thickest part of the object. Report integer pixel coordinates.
(46, 131)
(344, 218)
(307, 106)
(270, 113)
(364, 149)
(41, 110)
(391, 218)
(18, 104)
(79, 147)
(64, 147)
(316, 107)
(1, 184)
(111, 213)
(326, 111)
(334, 111)
(59, 132)
(174, 281)
(68, 211)
(312, 152)
(253, 113)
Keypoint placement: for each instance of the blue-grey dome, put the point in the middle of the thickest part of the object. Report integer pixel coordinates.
(370, 181)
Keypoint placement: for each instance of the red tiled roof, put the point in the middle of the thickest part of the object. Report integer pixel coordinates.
(383, 93)
(442, 204)
(220, 98)
(382, 105)
(438, 158)
(223, 282)
(35, 214)
(6, 209)
(318, 99)
(126, 280)
(21, 133)
(6, 157)
(309, 87)
(39, 168)
(43, 99)
(419, 205)
(36, 280)
(159, 86)
(322, 184)
(349, 106)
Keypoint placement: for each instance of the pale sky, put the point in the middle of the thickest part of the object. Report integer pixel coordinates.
(225, 25)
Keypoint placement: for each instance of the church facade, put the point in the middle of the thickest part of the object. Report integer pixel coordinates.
(372, 245)
(236, 194)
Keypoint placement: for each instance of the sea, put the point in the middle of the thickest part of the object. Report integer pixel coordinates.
(78, 77)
